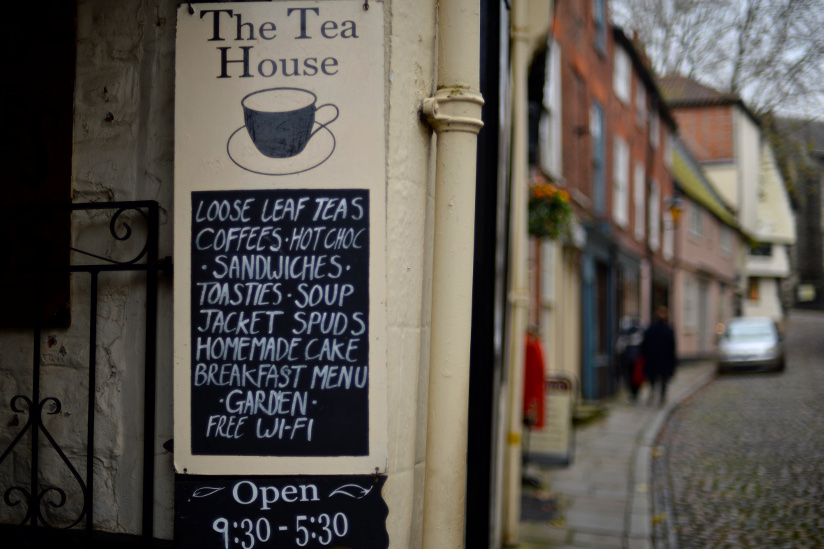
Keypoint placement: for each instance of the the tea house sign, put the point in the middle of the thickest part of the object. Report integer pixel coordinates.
(279, 239)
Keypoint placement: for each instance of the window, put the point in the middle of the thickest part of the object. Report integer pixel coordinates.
(37, 167)
(752, 289)
(622, 76)
(641, 104)
(654, 216)
(638, 199)
(653, 129)
(548, 263)
(690, 305)
(596, 130)
(599, 9)
(725, 240)
(696, 220)
(668, 250)
(763, 249)
(548, 251)
(549, 129)
(620, 176)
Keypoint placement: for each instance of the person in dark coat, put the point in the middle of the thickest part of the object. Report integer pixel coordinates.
(658, 349)
(628, 348)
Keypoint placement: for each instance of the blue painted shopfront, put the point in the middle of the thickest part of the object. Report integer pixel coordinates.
(598, 316)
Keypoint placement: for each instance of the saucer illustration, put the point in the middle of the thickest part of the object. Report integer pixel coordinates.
(245, 155)
(280, 134)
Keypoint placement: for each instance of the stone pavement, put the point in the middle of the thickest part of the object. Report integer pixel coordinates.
(602, 499)
(742, 465)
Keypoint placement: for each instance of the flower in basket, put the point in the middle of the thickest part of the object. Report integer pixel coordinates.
(549, 211)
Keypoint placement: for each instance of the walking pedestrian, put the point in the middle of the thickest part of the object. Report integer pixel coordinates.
(658, 350)
(628, 349)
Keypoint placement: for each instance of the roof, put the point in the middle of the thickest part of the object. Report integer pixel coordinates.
(691, 180)
(680, 91)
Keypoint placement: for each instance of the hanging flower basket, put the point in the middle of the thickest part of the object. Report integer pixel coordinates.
(549, 212)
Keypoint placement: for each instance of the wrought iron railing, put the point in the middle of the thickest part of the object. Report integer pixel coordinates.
(36, 497)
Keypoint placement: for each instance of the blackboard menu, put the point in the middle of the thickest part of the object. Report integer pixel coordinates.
(280, 322)
(297, 511)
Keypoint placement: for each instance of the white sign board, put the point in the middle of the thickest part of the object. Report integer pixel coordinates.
(280, 358)
(553, 444)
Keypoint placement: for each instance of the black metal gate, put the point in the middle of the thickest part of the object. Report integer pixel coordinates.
(36, 497)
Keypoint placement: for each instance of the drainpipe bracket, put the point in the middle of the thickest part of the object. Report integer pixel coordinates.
(519, 298)
(454, 110)
(521, 34)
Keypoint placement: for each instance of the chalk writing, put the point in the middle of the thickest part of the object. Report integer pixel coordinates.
(280, 322)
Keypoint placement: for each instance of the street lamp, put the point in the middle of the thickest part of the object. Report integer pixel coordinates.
(675, 205)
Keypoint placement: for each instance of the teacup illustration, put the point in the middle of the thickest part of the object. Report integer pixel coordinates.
(281, 121)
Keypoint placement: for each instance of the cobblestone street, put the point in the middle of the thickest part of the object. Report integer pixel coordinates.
(741, 464)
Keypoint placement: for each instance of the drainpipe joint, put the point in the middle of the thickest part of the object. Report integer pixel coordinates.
(454, 110)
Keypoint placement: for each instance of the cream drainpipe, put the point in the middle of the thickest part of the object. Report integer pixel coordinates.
(518, 292)
(455, 114)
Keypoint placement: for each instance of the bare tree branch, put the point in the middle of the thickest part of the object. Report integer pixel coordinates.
(769, 51)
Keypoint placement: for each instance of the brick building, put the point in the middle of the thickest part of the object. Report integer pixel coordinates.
(615, 140)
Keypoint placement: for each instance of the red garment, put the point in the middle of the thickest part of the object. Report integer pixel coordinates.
(534, 393)
(638, 377)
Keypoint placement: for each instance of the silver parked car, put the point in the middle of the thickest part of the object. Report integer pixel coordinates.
(750, 343)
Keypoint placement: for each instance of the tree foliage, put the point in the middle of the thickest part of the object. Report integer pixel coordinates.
(771, 52)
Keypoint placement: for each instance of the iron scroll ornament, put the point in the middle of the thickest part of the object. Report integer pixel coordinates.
(122, 238)
(42, 246)
(34, 501)
(75, 493)
(13, 220)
